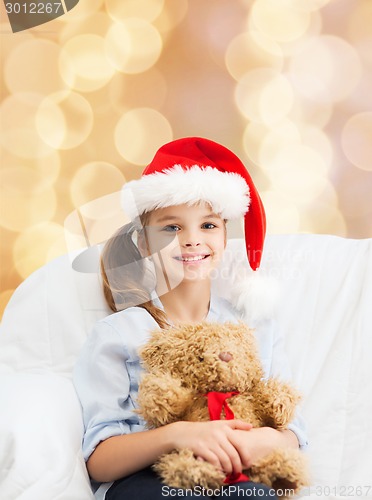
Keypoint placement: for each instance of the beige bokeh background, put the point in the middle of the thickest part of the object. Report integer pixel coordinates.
(88, 98)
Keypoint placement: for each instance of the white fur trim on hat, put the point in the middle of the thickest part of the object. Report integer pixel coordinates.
(226, 192)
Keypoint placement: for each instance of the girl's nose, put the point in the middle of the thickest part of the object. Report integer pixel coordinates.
(191, 238)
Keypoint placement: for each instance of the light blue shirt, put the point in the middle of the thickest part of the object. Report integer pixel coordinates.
(108, 370)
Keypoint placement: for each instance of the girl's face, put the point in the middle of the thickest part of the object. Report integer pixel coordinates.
(185, 242)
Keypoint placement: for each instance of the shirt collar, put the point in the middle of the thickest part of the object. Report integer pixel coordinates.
(212, 312)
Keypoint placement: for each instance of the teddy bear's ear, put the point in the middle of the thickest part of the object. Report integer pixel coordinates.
(151, 355)
(153, 352)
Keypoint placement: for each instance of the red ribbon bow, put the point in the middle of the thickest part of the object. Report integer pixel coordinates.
(216, 403)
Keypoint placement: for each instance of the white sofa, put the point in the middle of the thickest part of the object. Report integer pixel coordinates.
(326, 314)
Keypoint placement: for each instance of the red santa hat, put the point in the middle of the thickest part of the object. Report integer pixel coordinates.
(194, 169)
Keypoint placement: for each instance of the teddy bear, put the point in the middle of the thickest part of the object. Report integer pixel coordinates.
(204, 371)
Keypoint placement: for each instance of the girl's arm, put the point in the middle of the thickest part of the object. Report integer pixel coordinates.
(119, 456)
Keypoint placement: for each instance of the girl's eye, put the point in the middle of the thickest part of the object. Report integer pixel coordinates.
(208, 225)
(171, 228)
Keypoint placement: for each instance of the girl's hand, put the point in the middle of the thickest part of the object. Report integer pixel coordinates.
(259, 442)
(212, 442)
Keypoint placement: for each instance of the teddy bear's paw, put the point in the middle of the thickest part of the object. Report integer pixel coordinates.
(162, 399)
(180, 469)
(279, 403)
(285, 470)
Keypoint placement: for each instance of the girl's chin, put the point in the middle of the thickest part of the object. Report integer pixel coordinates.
(195, 275)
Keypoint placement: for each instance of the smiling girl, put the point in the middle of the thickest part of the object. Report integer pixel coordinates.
(156, 272)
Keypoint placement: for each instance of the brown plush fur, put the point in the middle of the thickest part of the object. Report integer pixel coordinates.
(182, 365)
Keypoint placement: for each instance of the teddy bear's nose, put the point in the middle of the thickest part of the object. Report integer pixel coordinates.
(225, 356)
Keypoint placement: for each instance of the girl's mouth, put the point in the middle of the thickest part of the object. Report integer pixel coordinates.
(191, 258)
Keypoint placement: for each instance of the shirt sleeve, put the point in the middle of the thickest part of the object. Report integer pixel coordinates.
(103, 386)
(280, 368)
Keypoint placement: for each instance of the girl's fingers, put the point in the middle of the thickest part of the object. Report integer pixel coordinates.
(235, 463)
(212, 458)
(224, 458)
(239, 424)
(214, 442)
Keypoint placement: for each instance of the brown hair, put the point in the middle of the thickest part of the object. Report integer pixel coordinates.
(123, 274)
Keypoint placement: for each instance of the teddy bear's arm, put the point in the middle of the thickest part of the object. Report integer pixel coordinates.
(277, 402)
(162, 399)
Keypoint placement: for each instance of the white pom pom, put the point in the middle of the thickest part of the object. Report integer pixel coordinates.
(256, 297)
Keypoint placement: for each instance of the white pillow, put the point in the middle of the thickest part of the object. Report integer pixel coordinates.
(49, 316)
(40, 439)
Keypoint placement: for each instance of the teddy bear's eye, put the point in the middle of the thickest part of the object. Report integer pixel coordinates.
(201, 358)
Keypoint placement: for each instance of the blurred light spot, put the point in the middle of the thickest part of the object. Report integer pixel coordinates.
(4, 299)
(280, 20)
(253, 136)
(33, 67)
(149, 90)
(32, 248)
(282, 215)
(313, 30)
(326, 69)
(265, 96)
(18, 134)
(322, 217)
(133, 46)
(139, 133)
(64, 120)
(92, 181)
(46, 169)
(288, 47)
(218, 27)
(297, 172)
(311, 5)
(361, 98)
(172, 14)
(11, 41)
(314, 113)
(97, 23)
(84, 65)
(82, 10)
(244, 54)
(21, 208)
(143, 9)
(357, 140)
(284, 135)
(360, 22)
(23, 180)
(318, 141)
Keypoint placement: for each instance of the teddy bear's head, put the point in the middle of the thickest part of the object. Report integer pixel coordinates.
(205, 356)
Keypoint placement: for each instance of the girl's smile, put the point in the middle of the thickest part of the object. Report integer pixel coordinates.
(192, 258)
